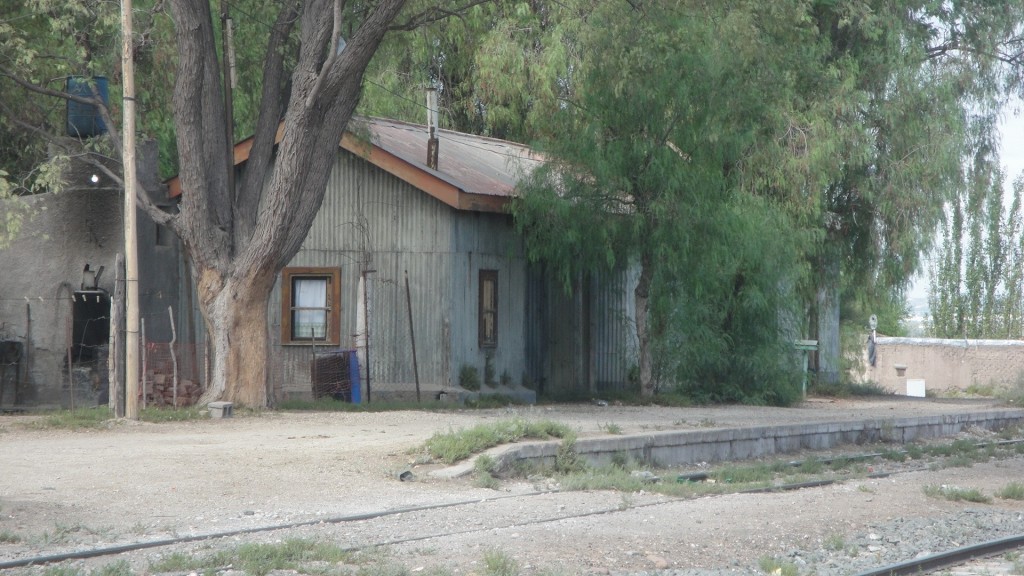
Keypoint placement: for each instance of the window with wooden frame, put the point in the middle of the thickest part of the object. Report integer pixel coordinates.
(488, 309)
(311, 306)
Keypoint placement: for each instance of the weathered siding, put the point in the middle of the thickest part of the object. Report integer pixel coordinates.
(371, 220)
(582, 342)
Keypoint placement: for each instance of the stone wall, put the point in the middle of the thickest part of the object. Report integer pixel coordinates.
(945, 364)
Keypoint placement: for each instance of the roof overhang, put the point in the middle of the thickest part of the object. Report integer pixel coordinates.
(429, 181)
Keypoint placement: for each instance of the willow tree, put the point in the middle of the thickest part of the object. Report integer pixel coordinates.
(646, 170)
(916, 83)
(502, 69)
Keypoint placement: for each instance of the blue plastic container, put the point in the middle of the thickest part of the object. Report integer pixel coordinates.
(84, 120)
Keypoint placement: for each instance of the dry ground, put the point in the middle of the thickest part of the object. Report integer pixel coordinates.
(61, 490)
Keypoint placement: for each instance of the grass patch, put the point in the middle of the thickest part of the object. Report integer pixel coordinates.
(751, 473)
(451, 447)
(9, 537)
(80, 418)
(498, 563)
(485, 467)
(848, 389)
(1012, 491)
(834, 543)
(257, 559)
(173, 415)
(611, 428)
(774, 566)
(956, 494)
(96, 417)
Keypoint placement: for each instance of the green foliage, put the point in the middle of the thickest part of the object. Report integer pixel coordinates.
(489, 371)
(450, 447)
(956, 494)
(498, 563)
(257, 559)
(780, 567)
(1012, 491)
(656, 182)
(502, 69)
(469, 377)
(980, 293)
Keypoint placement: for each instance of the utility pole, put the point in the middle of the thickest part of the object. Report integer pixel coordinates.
(227, 37)
(131, 255)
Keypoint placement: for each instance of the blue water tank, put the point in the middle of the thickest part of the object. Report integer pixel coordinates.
(84, 120)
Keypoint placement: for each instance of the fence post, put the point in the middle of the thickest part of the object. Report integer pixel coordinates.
(174, 357)
(412, 337)
(145, 357)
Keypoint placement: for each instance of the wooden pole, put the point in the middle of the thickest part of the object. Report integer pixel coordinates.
(131, 258)
(412, 336)
(145, 357)
(116, 354)
(70, 342)
(174, 356)
(366, 315)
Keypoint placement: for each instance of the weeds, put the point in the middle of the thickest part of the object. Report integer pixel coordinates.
(612, 428)
(485, 466)
(955, 494)
(9, 537)
(1012, 491)
(498, 563)
(100, 417)
(451, 447)
(256, 559)
(835, 542)
(773, 566)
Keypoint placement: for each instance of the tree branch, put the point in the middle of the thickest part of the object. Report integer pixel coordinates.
(93, 159)
(434, 14)
(251, 184)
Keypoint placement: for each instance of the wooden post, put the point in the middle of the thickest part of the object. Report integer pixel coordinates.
(69, 337)
(412, 336)
(145, 356)
(174, 356)
(115, 357)
(131, 371)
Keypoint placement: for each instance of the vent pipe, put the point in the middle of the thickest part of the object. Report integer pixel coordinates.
(432, 128)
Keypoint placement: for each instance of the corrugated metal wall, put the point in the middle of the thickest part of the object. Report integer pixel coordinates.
(371, 220)
(582, 342)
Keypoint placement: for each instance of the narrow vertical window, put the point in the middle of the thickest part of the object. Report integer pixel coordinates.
(488, 310)
(310, 306)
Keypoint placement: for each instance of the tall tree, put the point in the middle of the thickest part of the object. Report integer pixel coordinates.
(238, 239)
(902, 77)
(646, 170)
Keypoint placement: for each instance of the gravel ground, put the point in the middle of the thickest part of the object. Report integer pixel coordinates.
(133, 482)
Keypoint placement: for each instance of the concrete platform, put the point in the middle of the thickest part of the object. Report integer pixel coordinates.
(681, 447)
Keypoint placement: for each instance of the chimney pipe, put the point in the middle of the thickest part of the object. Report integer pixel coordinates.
(432, 128)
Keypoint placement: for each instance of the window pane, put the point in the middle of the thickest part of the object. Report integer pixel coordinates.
(309, 304)
(488, 308)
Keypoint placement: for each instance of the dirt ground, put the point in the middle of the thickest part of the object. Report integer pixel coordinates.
(137, 481)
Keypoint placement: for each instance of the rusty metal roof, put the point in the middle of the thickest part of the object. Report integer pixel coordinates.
(474, 164)
(474, 172)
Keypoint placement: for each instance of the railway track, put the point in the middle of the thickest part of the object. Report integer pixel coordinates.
(924, 565)
(958, 557)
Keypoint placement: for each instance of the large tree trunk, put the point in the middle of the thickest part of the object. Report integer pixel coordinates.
(235, 310)
(829, 345)
(239, 239)
(642, 295)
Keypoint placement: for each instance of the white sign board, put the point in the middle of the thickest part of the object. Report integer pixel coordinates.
(915, 388)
